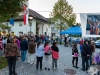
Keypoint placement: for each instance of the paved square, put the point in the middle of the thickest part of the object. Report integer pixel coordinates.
(64, 62)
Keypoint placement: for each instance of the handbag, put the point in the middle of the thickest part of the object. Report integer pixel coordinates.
(49, 51)
(75, 54)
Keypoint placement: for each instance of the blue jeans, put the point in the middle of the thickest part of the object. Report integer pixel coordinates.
(90, 60)
(23, 55)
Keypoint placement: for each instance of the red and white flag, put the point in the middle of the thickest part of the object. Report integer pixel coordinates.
(26, 13)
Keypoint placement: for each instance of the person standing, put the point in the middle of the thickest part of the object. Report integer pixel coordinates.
(75, 55)
(93, 51)
(31, 51)
(90, 47)
(47, 48)
(55, 55)
(39, 55)
(23, 48)
(4, 42)
(1, 47)
(85, 56)
(11, 52)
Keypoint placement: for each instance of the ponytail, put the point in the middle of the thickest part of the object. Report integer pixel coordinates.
(38, 44)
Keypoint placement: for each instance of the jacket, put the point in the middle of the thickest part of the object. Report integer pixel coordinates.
(18, 43)
(55, 52)
(97, 58)
(31, 47)
(11, 50)
(40, 51)
(24, 45)
(46, 48)
(86, 50)
(75, 52)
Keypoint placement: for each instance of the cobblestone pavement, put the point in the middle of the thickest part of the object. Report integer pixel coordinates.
(64, 62)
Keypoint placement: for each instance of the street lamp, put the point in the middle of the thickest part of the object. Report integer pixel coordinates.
(30, 23)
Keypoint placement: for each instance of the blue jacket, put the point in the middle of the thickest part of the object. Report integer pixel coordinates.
(24, 45)
(81, 47)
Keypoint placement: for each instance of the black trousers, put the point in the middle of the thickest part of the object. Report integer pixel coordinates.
(73, 60)
(39, 60)
(11, 64)
(85, 64)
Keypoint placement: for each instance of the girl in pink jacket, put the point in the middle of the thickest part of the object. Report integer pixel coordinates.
(47, 51)
(55, 55)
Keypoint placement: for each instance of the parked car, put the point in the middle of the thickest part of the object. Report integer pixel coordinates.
(97, 43)
(77, 40)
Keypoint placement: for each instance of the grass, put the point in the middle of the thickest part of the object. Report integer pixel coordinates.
(3, 62)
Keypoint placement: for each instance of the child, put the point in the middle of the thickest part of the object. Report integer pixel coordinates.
(75, 55)
(55, 55)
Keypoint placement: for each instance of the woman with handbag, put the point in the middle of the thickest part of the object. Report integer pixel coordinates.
(55, 55)
(47, 50)
(75, 55)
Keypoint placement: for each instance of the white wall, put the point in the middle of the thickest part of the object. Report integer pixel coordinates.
(47, 29)
(24, 28)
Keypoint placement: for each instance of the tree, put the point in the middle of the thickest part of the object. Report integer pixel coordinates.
(62, 16)
(9, 8)
(78, 24)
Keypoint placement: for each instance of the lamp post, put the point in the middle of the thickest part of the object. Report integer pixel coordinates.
(30, 23)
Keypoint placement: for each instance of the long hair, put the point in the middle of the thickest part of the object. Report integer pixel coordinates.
(38, 44)
(46, 44)
(54, 43)
(75, 45)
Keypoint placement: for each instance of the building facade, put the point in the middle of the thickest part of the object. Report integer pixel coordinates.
(39, 25)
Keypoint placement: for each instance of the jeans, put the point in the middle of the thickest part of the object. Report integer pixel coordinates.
(39, 60)
(11, 64)
(54, 63)
(23, 55)
(85, 61)
(90, 60)
(75, 58)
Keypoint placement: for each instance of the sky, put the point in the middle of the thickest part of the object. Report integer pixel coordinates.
(44, 7)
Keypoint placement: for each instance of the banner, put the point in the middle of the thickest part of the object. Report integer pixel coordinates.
(90, 24)
(26, 13)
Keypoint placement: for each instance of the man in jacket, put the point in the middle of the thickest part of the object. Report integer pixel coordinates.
(11, 52)
(85, 55)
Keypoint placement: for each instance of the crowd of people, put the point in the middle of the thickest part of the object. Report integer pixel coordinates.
(88, 55)
(26, 49)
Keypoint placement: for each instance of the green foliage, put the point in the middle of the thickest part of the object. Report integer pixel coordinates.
(4, 26)
(3, 63)
(62, 16)
(9, 8)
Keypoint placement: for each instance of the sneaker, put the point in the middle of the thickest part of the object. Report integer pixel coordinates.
(48, 69)
(45, 68)
(55, 68)
(73, 66)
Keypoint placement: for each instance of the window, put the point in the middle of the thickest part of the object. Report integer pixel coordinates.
(20, 24)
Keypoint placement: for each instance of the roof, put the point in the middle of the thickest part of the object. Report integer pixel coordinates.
(35, 15)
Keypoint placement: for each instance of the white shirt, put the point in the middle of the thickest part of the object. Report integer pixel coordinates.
(4, 41)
